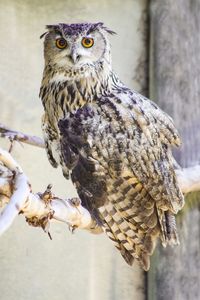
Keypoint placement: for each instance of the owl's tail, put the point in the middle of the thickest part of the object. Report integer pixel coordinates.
(129, 237)
(168, 234)
(131, 246)
(129, 250)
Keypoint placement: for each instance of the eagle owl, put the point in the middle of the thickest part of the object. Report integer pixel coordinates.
(113, 143)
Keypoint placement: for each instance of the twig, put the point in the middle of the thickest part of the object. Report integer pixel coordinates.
(13, 135)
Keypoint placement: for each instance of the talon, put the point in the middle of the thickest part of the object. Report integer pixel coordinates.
(75, 202)
(49, 187)
(47, 195)
(49, 234)
(72, 228)
(42, 222)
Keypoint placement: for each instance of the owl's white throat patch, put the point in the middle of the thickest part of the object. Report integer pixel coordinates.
(57, 78)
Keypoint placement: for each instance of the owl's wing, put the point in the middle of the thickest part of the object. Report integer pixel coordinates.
(124, 172)
(150, 134)
(145, 192)
(76, 155)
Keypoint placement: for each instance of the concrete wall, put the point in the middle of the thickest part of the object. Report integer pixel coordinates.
(174, 84)
(79, 266)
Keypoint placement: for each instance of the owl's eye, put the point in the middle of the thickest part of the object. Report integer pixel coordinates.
(61, 43)
(87, 42)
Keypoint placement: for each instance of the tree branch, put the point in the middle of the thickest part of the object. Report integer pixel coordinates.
(189, 179)
(13, 135)
(41, 208)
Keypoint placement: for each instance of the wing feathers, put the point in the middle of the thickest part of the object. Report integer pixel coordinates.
(123, 171)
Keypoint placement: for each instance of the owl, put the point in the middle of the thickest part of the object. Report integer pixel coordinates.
(113, 143)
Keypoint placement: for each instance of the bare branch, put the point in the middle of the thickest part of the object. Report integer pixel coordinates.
(39, 209)
(13, 135)
(189, 179)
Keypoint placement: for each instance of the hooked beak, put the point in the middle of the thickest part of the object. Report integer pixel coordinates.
(74, 56)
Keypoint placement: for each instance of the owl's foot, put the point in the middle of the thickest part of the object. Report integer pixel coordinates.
(75, 202)
(47, 196)
(43, 221)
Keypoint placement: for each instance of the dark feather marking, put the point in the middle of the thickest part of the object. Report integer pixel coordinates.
(43, 92)
(118, 182)
(71, 92)
(127, 189)
(76, 29)
(154, 105)
(62, 100)
(90, 185)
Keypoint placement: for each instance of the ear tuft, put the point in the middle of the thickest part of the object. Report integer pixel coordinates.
(109, 30)
(101, 25)
(43, 34)
(50, 28)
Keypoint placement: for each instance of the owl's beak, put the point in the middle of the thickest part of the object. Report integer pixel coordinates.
(74, 56)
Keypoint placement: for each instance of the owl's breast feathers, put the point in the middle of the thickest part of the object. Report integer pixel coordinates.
(118, 147)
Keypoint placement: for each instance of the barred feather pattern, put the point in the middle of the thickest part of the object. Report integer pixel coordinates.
(115, 145)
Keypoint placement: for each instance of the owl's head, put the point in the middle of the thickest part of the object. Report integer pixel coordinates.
(73, 46)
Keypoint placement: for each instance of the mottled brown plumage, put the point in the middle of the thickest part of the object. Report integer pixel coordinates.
(114, 143)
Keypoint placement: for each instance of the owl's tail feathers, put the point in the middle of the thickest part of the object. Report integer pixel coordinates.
(134, 239)
(125, 254)
(143, 259)
(169, 234)
(130, 248)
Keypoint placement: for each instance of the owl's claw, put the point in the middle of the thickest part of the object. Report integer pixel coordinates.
(72, 228)
(47, 196)
(75, 202)
(41, 222)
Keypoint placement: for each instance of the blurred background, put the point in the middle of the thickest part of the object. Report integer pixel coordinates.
(157, 52)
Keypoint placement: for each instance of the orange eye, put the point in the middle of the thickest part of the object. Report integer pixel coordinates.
(87, 42)
(61, 43)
